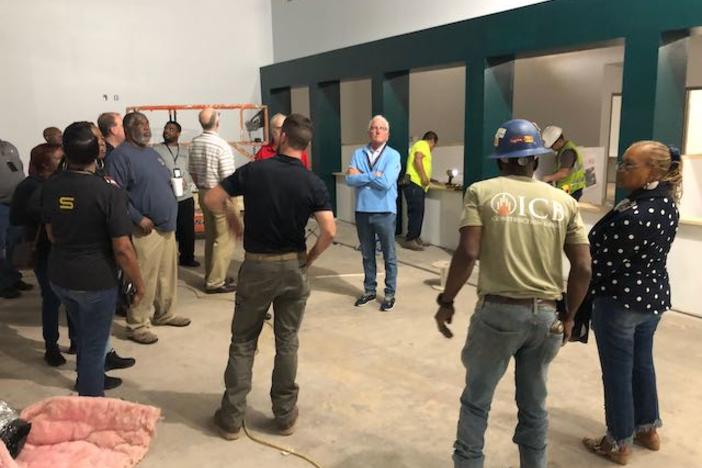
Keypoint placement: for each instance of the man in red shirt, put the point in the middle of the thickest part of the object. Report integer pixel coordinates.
(271, 149)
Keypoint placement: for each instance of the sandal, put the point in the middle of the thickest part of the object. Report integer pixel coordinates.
(604, 448)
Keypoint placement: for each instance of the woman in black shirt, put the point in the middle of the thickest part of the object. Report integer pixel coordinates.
(26, 211)
(629, 292)
(88, 225)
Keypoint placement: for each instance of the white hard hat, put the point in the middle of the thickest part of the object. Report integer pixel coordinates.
(551, 134)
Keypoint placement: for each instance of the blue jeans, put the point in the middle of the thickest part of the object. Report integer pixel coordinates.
(497, 333)
(625, 345)
(9, 276)
(50, 304)
(380, 225)
(91, 313)
(414, 194)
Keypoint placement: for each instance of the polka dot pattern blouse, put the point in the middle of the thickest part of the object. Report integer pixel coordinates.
(629, 249)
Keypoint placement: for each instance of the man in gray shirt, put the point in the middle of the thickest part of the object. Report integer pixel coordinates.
(176, 157)
(11, 174)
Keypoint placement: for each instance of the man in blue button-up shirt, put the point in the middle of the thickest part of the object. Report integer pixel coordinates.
(373, 173)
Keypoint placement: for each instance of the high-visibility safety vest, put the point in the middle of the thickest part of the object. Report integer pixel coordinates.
(576, 179)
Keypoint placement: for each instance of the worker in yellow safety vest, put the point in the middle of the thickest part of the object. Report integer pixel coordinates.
(570, 175)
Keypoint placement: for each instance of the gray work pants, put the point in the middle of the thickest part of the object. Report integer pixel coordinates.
(283, 284)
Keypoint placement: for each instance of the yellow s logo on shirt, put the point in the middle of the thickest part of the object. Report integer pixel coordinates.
(66, 203)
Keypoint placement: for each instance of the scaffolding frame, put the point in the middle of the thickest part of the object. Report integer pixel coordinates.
(239, 145)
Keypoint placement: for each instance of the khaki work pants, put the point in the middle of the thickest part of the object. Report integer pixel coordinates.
(219, 243)
(157, 256)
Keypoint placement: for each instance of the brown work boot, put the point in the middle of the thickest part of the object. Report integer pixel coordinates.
(287, 427)
(412, 245)
(649, 439)
(142, 336)
(175, 321)
(604, 448)
(226, 432)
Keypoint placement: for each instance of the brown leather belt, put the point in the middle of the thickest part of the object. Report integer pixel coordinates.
(527, 301)
(275, 257)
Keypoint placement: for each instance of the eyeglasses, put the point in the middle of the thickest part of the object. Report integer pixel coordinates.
(380, 129)
(626, 165)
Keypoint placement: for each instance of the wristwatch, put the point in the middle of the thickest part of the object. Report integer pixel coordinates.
(442, 303)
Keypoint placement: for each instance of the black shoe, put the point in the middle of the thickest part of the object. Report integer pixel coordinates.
(387, 304)
(190, 263)
(225, 288)
(365, 299)
(115, 361)
(112, 382)
(73, 349)
(10, 293)
(22, 286)
(54, 358)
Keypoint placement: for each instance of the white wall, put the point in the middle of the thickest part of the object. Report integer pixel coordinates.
(356, 109)
(565, 90)
(437, 103)
(59, 57)
(306, 27)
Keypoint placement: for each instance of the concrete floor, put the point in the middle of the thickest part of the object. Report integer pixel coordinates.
(377, 390)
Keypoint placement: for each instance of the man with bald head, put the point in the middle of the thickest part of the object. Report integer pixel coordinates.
(110, 125)
(212, 161)
(154, 210)
(53, 135)
(271, 149)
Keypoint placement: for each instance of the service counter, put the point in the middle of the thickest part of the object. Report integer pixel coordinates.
(442, 212)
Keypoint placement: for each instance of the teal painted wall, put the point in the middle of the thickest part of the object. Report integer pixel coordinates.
(652, 88)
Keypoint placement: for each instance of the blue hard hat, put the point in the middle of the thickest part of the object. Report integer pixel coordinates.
(518, 138)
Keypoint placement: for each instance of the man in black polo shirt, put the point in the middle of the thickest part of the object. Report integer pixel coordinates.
(280, 195)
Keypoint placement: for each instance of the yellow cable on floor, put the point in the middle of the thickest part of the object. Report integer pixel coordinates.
(283, 450)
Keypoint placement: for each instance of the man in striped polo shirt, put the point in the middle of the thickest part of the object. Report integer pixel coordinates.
(212, 161)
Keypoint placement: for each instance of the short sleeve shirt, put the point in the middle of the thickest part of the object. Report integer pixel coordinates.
(11, 171)
(422, 146)
(85, 212)
(280, 195)
(526, 224)
(567, 159)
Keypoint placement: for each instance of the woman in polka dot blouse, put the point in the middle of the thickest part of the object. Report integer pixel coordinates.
(629, 291)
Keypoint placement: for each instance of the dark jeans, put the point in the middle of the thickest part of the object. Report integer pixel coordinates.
(262, 283)
(382, 225)
(50, 304)
(498, 333)
(9, 235)
(414, 194)
(185, 230)
(91, 313)
(625, 345)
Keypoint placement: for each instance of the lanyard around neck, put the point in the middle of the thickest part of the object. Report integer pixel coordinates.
(174, 156)
(375, 163)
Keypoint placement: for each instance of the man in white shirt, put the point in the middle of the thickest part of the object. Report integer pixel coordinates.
(212, 161)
